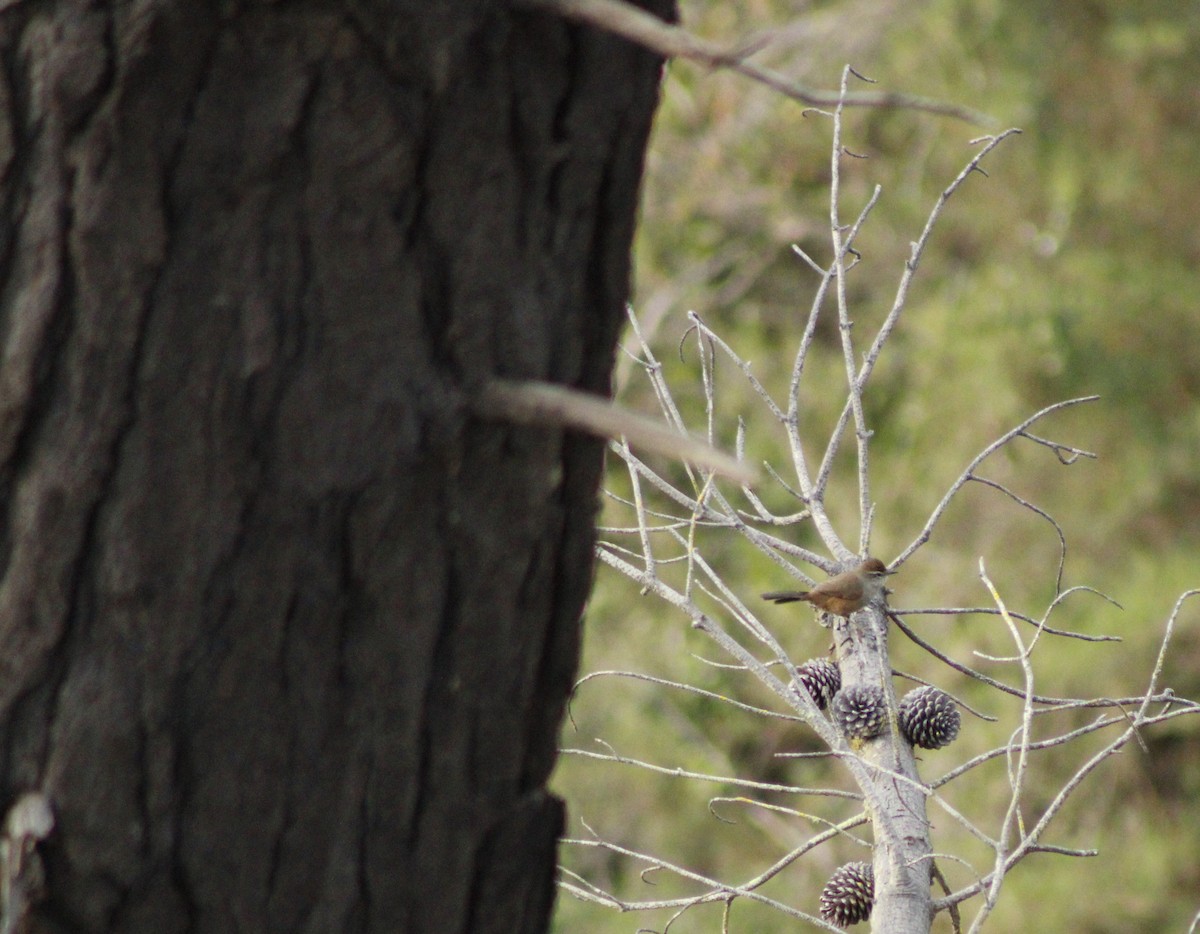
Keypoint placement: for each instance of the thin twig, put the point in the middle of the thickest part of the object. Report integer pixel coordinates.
(969, 472)
(918, 249)
(1031, 840)
(854, 388)
(971, 672)
(992, 611)
(681, 686)
(717, 891)
(1017, 773)
(704, 777)
(1062, 538)
(1053, 742)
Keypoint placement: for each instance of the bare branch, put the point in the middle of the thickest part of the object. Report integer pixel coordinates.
(1061, 739)
(624, 19)
(1017, 772)
(1062, 538)
(992, 611)
(533, 403)
(1066, 454)
(717, 891)
(969, 473)
(1152, 688)
(759, 389)
(688, 688)
(703, 777)
(918, 249)
(1030, 841)
(971, 672)
(854, 388)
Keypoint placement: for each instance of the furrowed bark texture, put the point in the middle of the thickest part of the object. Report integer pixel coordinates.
(285, 631)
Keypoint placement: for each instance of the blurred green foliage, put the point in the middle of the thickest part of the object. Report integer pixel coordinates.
(1071, 269)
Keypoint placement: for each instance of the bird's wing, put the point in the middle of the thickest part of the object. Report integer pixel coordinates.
(846, 586)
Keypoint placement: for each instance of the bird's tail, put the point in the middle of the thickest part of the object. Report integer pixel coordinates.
(785, 596)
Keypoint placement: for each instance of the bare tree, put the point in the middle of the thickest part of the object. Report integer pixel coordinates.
(850, 702)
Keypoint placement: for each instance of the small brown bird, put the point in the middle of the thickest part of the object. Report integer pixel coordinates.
(844, 594)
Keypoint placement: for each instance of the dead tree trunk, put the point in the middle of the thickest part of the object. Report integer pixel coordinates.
(285, 631)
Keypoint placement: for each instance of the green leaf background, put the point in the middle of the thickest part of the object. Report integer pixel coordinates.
(1071, 269)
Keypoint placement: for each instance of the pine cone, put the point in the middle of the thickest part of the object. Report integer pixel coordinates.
(929, 718)
(861, 712)
(849, 894)
(821, 679)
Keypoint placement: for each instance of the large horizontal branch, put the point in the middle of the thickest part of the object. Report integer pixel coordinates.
(535, 403)
(671, 41)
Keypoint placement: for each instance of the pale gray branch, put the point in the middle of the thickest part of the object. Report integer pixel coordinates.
(534, 403)
(969, 472)
(672, 41)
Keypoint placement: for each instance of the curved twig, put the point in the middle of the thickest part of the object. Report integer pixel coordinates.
(969, 472)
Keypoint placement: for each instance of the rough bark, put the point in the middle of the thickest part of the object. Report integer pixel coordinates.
(285, 630)
(903, 852)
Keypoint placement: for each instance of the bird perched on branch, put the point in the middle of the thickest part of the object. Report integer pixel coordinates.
(844, 594)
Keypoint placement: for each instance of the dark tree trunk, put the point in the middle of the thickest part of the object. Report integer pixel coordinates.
(285, 630)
